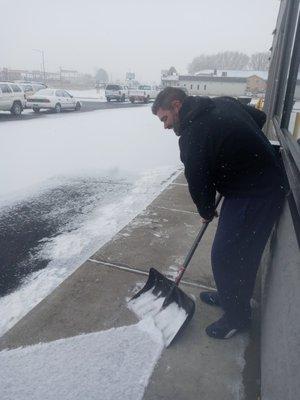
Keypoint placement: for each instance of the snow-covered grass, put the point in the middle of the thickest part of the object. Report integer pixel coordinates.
(35, 155)
(103, 142)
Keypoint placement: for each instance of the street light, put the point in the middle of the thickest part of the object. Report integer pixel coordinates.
(43, 58)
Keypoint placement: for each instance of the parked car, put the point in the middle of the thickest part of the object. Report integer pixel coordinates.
(143, 93)
(12, 98)
(29, 88)
(53, 99)
(116, 92)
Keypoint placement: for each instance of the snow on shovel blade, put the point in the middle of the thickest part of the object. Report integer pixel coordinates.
(169, 307)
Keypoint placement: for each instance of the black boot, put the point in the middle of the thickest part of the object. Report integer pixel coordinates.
(223, 329)
(211, 298)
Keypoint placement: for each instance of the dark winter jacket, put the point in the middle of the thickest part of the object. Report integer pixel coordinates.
(223, 149)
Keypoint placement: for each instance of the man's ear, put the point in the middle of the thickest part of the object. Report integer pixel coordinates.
(176, 105)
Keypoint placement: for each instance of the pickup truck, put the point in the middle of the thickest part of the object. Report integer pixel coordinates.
(144, 93)
(116, 92)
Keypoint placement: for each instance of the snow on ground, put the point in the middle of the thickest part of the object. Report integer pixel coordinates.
(87, 95)
(104, 142)
(111, 365)
(37, 154)
(168, 320)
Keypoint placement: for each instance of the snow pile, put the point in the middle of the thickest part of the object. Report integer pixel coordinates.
(167, 320)
(111, 365)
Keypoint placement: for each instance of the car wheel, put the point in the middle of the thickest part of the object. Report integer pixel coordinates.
(132, 100)
(36, 109)
(16, 108)
(57, 108)
(146, 100)
(107, 98)
(78, 106)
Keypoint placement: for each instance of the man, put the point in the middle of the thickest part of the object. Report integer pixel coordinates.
(224, 150)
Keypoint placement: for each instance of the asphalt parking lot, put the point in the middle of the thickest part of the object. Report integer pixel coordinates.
(86, 106)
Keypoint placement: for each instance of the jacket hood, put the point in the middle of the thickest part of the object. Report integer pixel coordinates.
(192, 107)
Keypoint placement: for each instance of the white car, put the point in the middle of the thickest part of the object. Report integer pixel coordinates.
(53, 99)
(29, 88)
(144, 93)
(12, 98)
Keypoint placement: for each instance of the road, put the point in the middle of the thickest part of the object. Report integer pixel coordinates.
(86, 106)
(25, 225)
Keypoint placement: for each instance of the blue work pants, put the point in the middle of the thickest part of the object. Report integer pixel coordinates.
(244, 227)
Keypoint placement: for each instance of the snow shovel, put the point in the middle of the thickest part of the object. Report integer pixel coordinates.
(162, 300)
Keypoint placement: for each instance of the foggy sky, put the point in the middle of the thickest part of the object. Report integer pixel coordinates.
(130, 35)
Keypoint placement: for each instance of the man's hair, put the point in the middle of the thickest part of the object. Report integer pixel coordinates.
(165, 98)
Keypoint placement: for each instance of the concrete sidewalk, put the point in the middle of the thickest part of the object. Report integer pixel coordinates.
(93, 298)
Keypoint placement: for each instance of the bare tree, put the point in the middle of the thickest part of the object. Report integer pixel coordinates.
(101, 76)
(172, 70)
(223, 60)
(260, 61)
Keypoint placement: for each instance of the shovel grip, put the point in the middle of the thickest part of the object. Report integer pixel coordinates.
(195, 245)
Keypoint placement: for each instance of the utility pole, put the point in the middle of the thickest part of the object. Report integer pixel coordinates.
(43, 60)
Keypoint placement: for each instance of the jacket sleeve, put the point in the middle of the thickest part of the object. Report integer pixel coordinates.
(258, 116)
(199, 172)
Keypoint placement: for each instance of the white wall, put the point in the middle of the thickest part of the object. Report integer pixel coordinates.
(280, 319)
(209, 88)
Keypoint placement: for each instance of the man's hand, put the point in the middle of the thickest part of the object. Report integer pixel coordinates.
(204, 221)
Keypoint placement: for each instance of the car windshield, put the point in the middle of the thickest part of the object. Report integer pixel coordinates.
(46, 92)
(25, 86)
(38, 87)
(113, 87)
(145, 87)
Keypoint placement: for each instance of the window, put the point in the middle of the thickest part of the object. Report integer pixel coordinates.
(282, 100)
(204, 87)
(27, 88)
(294, 121)
(198, 87)
(47, 92)
(16, 88)
(191, 86)
(37, 87)
(59, 93)
(113, 87)
(284, 61)
(66, 94)
(5, 88)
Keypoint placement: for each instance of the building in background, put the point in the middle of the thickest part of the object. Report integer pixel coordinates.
(219, 82)
(66, 78)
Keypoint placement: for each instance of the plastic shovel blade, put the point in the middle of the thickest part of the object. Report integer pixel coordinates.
(170, 308)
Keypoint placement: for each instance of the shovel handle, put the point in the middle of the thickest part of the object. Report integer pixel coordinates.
(195, 245)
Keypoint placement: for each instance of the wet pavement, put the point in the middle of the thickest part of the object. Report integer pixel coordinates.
(25, 226)
(86, 106)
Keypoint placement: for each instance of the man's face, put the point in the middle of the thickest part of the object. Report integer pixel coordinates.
(170, 118)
